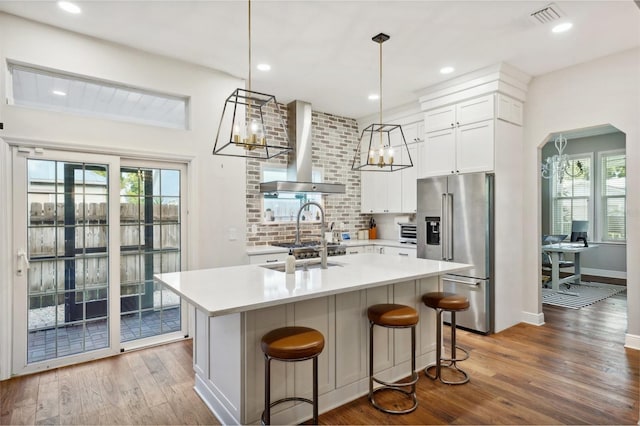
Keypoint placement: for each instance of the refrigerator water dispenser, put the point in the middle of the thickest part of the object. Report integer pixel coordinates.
(433, 230)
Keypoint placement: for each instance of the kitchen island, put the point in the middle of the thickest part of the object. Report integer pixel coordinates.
(236, 306)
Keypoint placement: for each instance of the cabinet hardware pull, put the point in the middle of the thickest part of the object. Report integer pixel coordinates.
(471, 284)
(403, 254)
(272, 260)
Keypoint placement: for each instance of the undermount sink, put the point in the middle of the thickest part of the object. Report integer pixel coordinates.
(300, 266)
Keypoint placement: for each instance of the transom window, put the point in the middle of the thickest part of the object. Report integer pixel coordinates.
(58, 91)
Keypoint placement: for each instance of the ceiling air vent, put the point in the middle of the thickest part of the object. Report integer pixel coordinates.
(549, 13)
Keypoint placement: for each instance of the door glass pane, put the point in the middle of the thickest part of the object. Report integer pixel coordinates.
(68, 254)
(150, 243)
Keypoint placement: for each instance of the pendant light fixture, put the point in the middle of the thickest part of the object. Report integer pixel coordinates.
(560, 165)
(382, 147)
(243, 119)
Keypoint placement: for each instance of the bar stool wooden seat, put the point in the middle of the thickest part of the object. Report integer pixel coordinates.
(391, 315)
(290, 344)
(446, 302)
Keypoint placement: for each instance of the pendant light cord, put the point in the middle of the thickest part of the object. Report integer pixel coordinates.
(249, 20)
(380, 43)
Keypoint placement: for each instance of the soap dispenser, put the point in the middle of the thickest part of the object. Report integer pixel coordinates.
(290, 263)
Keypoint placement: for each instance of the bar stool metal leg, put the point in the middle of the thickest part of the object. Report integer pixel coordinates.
(315, 390)
(451, 362)
(266, 417)
(397, 387)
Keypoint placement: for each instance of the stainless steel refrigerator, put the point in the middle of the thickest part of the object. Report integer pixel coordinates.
(455, 223)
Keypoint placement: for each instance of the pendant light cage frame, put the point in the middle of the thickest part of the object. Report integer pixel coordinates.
(248, 136)
(260, 105)
(376, 151)
(370, 143)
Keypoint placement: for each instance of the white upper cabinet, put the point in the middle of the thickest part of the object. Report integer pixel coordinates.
(475, 147)
(459, 138)
(460, 114)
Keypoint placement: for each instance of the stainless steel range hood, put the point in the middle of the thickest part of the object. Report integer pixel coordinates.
(299, 163)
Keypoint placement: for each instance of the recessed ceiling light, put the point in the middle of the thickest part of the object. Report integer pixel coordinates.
(69, 7)
(560, 28)
(374, 97)
(59, 93)
(446, 70)
(264, 67)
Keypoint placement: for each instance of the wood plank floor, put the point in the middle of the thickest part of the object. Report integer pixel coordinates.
(572, 370)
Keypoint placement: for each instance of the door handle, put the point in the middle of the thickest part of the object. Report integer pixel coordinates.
(23, 263)
(449, 226)
(443, 227)
(469, 283)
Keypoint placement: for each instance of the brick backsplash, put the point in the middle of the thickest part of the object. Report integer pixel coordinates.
(334, 141)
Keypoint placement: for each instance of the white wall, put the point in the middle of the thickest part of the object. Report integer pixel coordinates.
(603, 91)
(216, 191)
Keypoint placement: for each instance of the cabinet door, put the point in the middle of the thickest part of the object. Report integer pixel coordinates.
(439, 157)
(355, 250)
(474, 151)
(367, 191)
(399, 251)
(392, 188)
(440, 118)
(474, 110)
(409, 184)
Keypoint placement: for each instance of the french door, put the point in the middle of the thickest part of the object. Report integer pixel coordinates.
(90, 231)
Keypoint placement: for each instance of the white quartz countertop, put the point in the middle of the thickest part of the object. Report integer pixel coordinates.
(268, 249)
(226, 290)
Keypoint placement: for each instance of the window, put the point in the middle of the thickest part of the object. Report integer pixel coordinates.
(57, 91)
(612, 216)
(571, 194)
(284, 207)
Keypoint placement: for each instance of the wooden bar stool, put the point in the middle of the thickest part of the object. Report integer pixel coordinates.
(392, 315)
(290, 344)
(446, 302)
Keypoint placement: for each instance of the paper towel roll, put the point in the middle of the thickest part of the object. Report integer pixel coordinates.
(401, 219)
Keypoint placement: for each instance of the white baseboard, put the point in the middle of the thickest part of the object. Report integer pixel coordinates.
(604, 273)
(533, 318)
(632, 341)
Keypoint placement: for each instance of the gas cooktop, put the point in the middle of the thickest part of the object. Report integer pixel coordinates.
(306, 244)
(311, 249)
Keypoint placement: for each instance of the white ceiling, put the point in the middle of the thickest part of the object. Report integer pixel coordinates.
(321, 50)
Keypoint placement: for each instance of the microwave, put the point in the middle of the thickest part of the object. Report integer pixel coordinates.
(407, 233)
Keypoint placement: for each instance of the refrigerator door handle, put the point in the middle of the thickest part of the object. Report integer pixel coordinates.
(444, 233)
(458, 281)
(449, 225)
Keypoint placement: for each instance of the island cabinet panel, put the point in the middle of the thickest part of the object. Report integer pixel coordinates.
(351, 337)
(318, 314)
(405, 294)
(382, 337)
(287, 379)
(258, 323)
(427, 325)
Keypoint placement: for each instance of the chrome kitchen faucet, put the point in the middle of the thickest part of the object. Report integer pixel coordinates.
(323, 240)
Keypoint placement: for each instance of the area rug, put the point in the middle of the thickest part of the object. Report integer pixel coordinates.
(587, 294)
